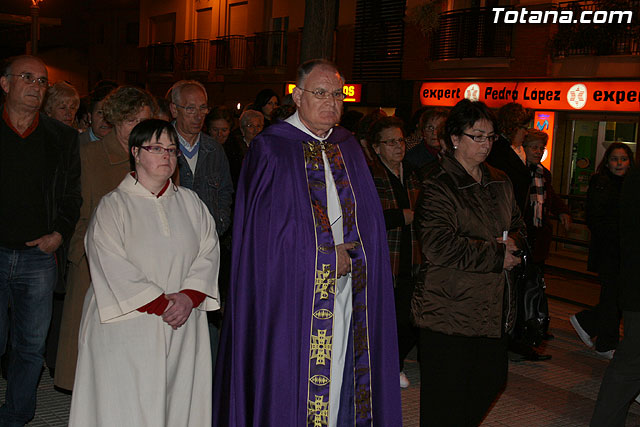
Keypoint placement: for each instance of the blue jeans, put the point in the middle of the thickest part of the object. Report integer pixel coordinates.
(27, 281)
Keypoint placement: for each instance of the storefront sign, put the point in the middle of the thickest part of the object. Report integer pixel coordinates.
(582, 96)
(545, 122)
(352, 90)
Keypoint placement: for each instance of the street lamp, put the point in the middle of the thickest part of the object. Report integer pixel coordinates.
(35, 27)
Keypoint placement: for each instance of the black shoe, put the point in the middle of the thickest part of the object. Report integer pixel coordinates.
(547, 336)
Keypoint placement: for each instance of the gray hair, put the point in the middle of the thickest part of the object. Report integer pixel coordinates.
(307, 67)
(250, 114)
(56, 93)
(174, 94)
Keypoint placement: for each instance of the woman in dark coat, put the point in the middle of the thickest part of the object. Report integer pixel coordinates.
(398, 190)
(469, 228)
(603, 213)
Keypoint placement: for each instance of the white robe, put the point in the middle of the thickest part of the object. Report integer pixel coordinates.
(342, 306)
(133, 368)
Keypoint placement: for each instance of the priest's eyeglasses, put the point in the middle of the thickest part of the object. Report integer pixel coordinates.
(393, 142)
(29, 79)
(156, 149)
(482, 138)
(191, 110)
(338, 95)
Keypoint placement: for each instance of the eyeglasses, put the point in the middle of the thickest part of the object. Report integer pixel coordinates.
(393, 142)
(482, 138)
(338, 95)
(29, 79)
(250, 126)
(191, 110)
(156, 149)
(430, 128)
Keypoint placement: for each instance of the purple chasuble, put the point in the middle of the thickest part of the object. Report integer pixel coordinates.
(273, 366)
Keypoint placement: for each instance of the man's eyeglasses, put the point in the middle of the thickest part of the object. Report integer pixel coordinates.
(156, 149)
(393, 142)
(482, 138)
(29, 79)
(191, 110)
(250, 126)
(338, 95)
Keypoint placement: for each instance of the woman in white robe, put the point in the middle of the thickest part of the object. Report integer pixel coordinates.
(144, 357)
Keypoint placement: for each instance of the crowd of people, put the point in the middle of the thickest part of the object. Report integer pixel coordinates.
(175, 264)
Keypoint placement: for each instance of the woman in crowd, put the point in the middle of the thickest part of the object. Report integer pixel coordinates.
(508, 156)
(98, 126)
(469, 227)
(104, 164)
(398, 191)
(61, 102)
(603, 214)
(266, 101)
(153, 252)
(219, 123)
(543, 201)
(427, 146)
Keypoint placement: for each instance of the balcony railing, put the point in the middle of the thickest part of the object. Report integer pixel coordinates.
(471, 33)
(266, 49)
(196, 55)
(231, 52)
(234, 52)
(597, 39)
(269, 49)
(160, 58)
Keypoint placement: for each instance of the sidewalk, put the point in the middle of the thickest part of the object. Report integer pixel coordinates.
(558, 392)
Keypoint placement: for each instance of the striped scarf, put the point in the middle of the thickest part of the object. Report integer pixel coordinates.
(537, 193)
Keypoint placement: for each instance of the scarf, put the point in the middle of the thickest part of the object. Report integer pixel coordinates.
(537, 193)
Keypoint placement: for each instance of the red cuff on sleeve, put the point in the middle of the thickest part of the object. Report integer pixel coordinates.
(157, 306)
(196, 297)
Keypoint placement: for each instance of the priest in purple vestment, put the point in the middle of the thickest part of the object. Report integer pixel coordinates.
(309, 333)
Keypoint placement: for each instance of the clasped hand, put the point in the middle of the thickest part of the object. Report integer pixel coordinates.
(510, 260)
(344, 260)
(178, 310)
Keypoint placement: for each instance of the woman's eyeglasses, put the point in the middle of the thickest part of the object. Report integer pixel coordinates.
(156, 149)
(482, 138)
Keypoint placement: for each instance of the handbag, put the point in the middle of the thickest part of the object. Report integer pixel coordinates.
(532, 321)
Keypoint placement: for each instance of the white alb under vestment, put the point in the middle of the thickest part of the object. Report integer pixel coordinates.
(342, 308)
(133, 368)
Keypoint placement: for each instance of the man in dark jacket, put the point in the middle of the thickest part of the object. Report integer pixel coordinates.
(621, 382)
(39, 207)
(203, 167)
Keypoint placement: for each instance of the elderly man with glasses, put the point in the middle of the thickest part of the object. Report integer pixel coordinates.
(203, 166)
(39, 207)
(309, 334)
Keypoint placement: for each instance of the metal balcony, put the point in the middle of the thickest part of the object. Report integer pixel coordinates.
(471, 33)
(231, 52)
(161, 58)
(196, 55)
(597, 39)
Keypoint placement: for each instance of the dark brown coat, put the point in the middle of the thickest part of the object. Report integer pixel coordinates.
(462, 286)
